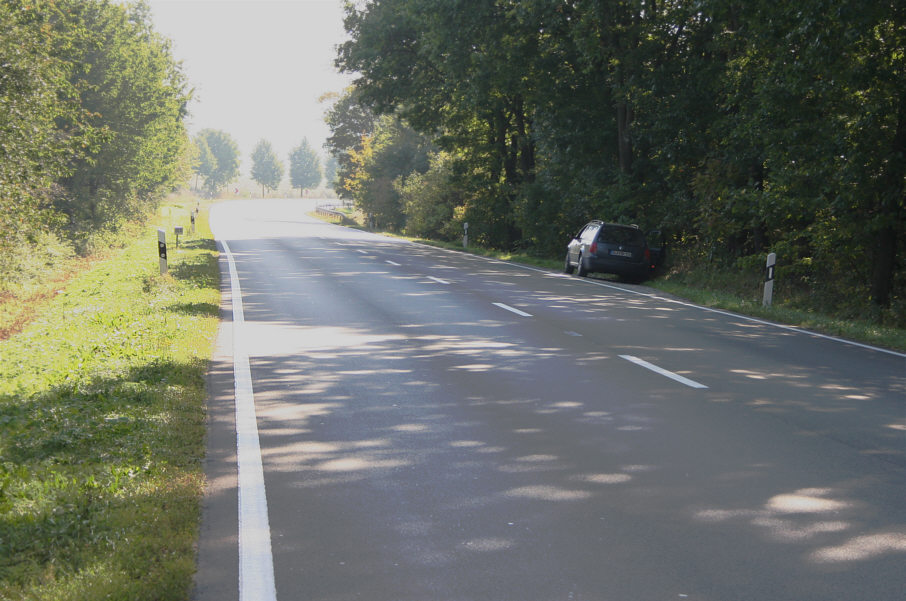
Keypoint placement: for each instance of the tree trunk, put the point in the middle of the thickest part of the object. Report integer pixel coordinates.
(892, 206)
(526, 145)
(506, 148)
(497, 141)
(884, 266)
(624, 137)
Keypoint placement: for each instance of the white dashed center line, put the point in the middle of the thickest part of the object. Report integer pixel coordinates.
(513, 310)
(438, 280)
(394, 263)
(663, 372)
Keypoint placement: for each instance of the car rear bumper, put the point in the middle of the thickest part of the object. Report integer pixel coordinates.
(617, 267)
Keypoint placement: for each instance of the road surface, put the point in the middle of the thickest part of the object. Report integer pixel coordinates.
(431, 425)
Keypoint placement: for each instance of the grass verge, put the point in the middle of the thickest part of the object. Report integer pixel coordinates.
(102, 419)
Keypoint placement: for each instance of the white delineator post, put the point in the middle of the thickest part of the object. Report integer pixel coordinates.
(465, 235)
(769, 280)
(162, 250)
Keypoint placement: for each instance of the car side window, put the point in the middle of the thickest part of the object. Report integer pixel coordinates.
(588, 234)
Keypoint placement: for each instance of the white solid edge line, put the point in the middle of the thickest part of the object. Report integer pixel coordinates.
(256, 562)
(513, 310)
(663, 372)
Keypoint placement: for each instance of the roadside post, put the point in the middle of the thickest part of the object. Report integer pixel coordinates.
(465, 235)
(178, 231)
(769, 280)
(192, 218)
(162, 250)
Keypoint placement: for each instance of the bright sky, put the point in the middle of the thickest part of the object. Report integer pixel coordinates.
(258, 67)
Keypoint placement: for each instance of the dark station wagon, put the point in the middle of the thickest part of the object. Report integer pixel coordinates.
(611, 248)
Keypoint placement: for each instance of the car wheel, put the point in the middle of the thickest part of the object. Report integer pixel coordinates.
(567, 266)
(581, 269)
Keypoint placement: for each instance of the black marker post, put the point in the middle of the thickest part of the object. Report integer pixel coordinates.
(769, 280)
(162, 250)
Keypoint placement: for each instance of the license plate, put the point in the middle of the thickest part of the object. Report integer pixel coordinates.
(621, 253)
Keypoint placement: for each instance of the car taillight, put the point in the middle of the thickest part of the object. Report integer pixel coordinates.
(648, 257)
(593, 249)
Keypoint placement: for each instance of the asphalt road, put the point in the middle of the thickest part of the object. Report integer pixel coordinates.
(437, 426)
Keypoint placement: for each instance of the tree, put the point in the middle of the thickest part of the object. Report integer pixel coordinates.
(204, 163)
(135, 96)
(430, 200)
(831, 83)
(394, 150)
(304, 167)
(225, 154)
(350, 122)
(92, 108)
(267, 169)
(330, 171)
(465, 73)
(34, 97)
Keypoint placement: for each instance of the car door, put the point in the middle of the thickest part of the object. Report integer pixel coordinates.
(575, 245)
(587, 238)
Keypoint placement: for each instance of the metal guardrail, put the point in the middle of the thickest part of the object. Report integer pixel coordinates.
(330, 211)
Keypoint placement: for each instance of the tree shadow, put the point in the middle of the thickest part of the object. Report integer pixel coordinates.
(205, 309)
(474, 455)
(80, 461)
(199, 244)
(199, 270)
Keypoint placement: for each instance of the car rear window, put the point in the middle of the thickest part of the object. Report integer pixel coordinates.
(621, 235)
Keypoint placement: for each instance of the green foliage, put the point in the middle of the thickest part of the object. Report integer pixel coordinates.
(267, 169)
(350, 123)
(393, 150)
(304, 166)
(33, 97)
(225, 157)
(330, 171)
(430, 201)
(737, 128)
(135, 96)
(91, 126)
(204, 162)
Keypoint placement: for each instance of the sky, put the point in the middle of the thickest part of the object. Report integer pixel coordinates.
(258, 67)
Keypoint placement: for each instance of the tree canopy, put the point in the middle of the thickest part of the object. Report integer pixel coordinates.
(304, 166)
(738, 128)
(204, 161)
(92, 108)
(224, 156)
(267, 169)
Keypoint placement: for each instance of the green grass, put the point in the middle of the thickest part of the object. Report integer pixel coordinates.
(102, 425)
